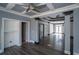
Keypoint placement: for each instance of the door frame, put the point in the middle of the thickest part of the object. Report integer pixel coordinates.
(28, 22)
(39, 31)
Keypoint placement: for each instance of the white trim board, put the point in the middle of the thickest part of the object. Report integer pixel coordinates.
(63, 9)
(68, 52)
(30, 41)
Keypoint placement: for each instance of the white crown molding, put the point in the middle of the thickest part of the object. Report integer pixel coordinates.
(63, 9)
(14, 12)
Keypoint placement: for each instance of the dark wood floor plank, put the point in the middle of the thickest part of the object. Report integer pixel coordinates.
(31, 49)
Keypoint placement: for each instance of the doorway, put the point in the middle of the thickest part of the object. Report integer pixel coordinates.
(24, 32)
(57, 36)
(41, 33)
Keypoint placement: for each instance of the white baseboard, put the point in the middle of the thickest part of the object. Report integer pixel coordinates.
(18, 44)
(67, 52)
(1, 51)
(30, 41)
(75, 53)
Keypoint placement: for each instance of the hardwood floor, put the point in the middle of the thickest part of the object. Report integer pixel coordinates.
(31, 49)
(57, 41)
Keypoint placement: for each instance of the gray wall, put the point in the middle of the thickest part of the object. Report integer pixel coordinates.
(12, 33)
(76, 31)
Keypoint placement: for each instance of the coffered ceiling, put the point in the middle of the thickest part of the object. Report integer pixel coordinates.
(36, 8)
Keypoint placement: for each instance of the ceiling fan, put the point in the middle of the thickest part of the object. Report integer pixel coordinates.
(30, 7)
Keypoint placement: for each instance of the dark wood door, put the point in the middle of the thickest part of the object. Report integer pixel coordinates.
(23, 32)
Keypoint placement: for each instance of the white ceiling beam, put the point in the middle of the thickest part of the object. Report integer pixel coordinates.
(10, 5)
(14, 12)
(41, 4)
(34, 11)
(29, 3)
(63, 9)
(20, 3)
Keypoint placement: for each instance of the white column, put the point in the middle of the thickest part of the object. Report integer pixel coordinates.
(67, 34)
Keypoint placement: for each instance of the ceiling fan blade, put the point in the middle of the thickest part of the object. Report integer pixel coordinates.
(29, 7)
